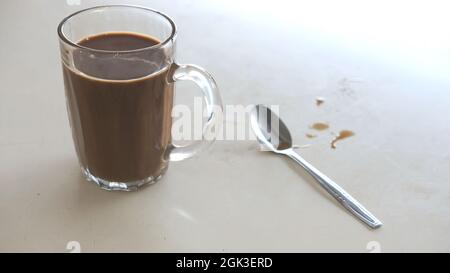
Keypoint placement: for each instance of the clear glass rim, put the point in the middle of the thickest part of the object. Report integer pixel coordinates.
(66, 40)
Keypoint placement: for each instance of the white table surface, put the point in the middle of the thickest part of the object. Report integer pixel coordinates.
(384, 69)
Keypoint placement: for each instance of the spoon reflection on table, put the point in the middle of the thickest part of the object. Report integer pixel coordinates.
(275, 136)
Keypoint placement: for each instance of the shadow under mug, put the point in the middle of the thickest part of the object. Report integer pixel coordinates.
(121, 123)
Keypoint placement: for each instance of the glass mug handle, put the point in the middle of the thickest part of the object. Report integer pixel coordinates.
(214, 108)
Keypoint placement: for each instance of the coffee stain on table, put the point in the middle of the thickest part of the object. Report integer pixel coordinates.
(308, 135)
(319, 101)
(342, 135)
(319, 126)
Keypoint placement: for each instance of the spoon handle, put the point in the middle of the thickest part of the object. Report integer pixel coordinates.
(337, 192)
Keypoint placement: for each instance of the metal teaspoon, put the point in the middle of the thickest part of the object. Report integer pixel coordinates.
(278, 140)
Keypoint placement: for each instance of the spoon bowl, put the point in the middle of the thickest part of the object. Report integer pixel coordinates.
(269, 129)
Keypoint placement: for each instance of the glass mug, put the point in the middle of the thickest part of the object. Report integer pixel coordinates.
(119, 74)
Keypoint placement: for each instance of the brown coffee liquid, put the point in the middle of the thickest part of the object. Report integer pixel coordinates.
(342, 135)
(119, 107)
(319, 126)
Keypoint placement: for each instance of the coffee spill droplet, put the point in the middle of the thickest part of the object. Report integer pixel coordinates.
(342, 135)
(319, 101)
(319, 126)
(310, 135)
